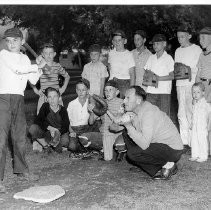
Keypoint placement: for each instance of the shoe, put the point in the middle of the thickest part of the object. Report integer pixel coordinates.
(120, 156)
(193, 159)
(28, 176)
(58, 148)
(2, 188)
(201, 160)
(186, 149)
(47, 149)
(165, 174)
(135, 169)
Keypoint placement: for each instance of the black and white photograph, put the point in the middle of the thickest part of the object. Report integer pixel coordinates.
(105, 105)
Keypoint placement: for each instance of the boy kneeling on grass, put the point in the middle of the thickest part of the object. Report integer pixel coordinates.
(51, 126)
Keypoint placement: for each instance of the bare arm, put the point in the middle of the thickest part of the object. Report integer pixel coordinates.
(167, 77)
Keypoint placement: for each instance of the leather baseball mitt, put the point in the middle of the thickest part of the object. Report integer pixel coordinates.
(182, 71)
(150, 79)
(100, 105)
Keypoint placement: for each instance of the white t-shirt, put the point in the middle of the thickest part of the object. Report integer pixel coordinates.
(188, 56)
(120, 63)
(10, 64)
(162, 67)
(78, 114)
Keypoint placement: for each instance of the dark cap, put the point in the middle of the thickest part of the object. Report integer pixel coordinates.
(84, 81)
(142, 33)
(111, 83)
(158, 38)
(95, 48)
(47, 45)
(184, 28)
(119, 33)
(13, 32)
(206, 30)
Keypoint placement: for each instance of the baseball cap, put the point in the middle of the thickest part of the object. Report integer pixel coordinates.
(84, 81)
(206, 30)
(158, 38)
(111, 83)
(142, 33)
(119, 32)
(13, 32)
(95, 48)
(184, 28)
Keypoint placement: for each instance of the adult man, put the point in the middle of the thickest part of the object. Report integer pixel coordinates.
(140, 55)
(153, 142)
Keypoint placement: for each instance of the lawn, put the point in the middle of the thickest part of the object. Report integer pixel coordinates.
(93, 184)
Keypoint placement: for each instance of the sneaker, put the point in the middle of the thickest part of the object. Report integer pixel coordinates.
(28, 176)
(37, 147)
(47, 149)
(200, 160)
(193, 159)
(76, 156)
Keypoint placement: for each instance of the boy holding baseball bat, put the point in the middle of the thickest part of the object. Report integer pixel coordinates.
(15, 70)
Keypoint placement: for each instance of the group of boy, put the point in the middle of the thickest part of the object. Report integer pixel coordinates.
(56, 125)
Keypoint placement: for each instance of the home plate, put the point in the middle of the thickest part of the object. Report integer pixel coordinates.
(41, 194)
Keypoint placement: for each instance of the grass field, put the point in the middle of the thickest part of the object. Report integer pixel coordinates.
(93, 184)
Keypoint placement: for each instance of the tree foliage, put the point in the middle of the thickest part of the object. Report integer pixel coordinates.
(70, 26)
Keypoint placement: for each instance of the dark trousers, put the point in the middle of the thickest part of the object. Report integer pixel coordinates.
(12, 121)
(37, 133)
(162, 101)
(153, 158)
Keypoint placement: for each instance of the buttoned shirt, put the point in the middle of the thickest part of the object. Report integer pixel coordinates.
(188, 56)
(94, 72)
(161, 66)
(78, 114)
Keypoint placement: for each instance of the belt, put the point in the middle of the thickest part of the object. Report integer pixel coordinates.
(206, 80)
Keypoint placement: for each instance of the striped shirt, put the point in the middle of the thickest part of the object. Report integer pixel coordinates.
(114, 107)
(50, 78)
(204, 65)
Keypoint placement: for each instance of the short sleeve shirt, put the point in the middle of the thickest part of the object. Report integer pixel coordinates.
(50, 78)
(188, 56)
(120, 63)
(78, 114)
(162, 67)
(94, 72)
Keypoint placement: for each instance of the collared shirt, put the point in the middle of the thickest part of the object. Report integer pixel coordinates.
(10, 64)
(161, 66)
(140, 61)
(78, 114)
(204, 65)
(94, 72)
(120, 63)
(151, 125)
(188, 56)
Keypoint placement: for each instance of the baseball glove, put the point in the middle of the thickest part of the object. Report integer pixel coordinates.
(150, 79)
(182, 71)
(100, 105)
